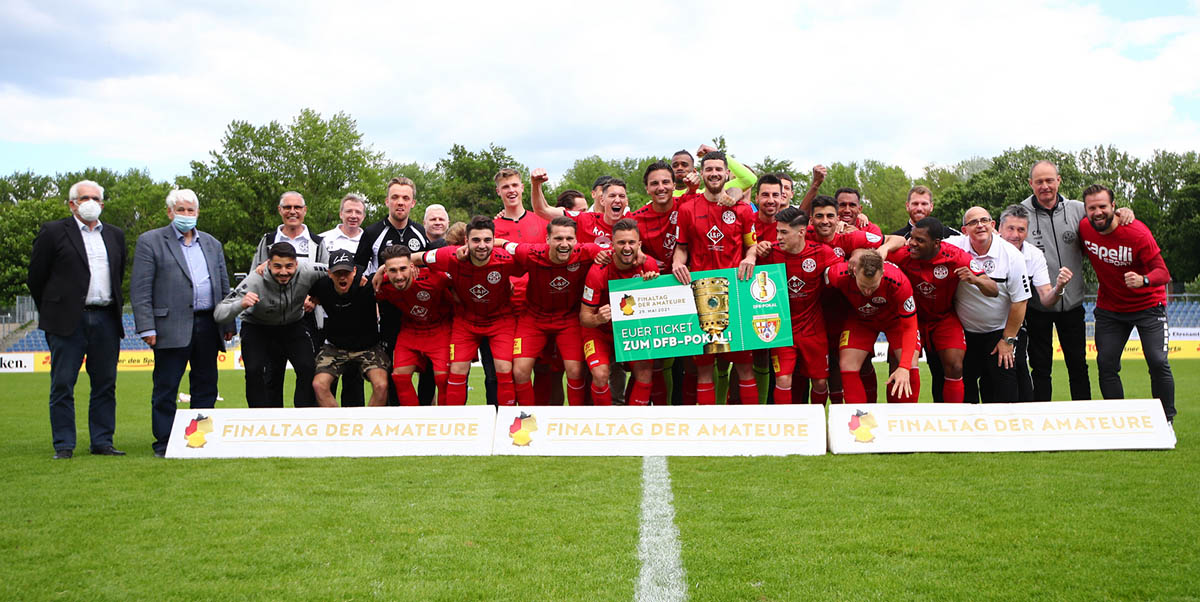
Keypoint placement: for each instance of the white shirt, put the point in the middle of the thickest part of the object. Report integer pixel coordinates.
(336, 240)
(306, 249)
(1035, 265)
(1006, 265)
(99, 290)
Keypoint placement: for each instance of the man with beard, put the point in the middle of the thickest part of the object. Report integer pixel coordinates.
(715, 233)
(596, 315)
(826, 227)
(423, 297)
(594, 226)
(934, 269)
(272, 309)
(480, 276)
(882, 301)
(1132, 294)
(919, 206)
(805, 261)
(848, 203)
(682, 163)
(352, 333)
(556, 272)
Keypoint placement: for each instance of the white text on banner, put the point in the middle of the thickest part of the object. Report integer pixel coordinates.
(661, 431)
(328, 432)
(1043, 426)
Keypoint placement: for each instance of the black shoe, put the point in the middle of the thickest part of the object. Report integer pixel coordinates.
(63, 454)
(160, 454)
(107, 451)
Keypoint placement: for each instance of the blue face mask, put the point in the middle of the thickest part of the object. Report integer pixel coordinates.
(184, 223)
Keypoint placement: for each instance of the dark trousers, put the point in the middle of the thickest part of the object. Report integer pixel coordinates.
(1024, 383)
(1112, 332)
(983, 378)
(266, 351)
(489, 371)
(1072, 336)
(937, 375)
(99, 338)
(169, 365)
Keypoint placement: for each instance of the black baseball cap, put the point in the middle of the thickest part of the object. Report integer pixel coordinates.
(341, 260)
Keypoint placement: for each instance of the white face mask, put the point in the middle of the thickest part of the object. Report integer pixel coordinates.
(89, 211)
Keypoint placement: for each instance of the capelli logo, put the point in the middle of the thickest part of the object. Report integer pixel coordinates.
(1121, 256)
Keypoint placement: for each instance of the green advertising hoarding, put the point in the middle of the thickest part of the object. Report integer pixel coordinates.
(716, 313)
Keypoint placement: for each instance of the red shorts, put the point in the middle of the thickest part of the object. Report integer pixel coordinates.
(415, 347)
(733, 357)
(534, 332)
(812, 351)
(597, 347)
(856, 335)
(944, 333)
(464, 340)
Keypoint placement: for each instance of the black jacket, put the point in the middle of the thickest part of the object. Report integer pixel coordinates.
(59, 274)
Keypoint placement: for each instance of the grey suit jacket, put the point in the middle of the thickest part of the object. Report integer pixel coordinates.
(160, 287)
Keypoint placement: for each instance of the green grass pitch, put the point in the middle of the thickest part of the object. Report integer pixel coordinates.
(1017, 526)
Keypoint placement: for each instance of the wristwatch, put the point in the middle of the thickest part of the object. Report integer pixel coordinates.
(1145, 281)
(1011, 341)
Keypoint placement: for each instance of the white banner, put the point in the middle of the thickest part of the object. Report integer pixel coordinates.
(1044, 426)
(16, 362)
(759, 430)
(326, 432)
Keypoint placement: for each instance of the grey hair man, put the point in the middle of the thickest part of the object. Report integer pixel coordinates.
(436, 221)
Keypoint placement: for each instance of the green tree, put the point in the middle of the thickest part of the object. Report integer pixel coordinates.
(26, 185)
(467, 179)
(884, 190)
(1177, 233)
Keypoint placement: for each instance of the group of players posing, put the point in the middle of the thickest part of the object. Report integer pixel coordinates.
(535, 290)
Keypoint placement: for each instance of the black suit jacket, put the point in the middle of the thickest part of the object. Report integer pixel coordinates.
(59, 274)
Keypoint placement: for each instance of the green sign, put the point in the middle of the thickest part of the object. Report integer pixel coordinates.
(716, 313)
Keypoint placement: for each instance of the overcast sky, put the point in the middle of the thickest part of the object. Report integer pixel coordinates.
(154, 84)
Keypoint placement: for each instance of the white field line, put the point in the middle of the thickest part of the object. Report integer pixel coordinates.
(662, 577)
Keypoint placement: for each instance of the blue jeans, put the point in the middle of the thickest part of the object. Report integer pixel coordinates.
(98, 337)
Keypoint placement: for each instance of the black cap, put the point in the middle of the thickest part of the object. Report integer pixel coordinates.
(341, 260)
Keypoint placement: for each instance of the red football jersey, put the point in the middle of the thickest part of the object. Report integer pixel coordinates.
(531, 228)
(846, 243)
(764, 230)
(658, 231)
(483, 291)
(1129, 248)
(804, 282)
(934, 281)
(891, 301)
(595, 289)
(717, 237)
(591, 228)
(556, 287)
(426, 303)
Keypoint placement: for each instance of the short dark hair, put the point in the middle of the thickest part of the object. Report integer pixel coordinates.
(783, 176)
(932, 225)
(614, 182)
(792, 216)
(847, 189)
(562, 221)
(481, 222)
(282, 249)
(823, 200)
(653, 167)
(1097, 189)
(601, 181)
(394, 251)
(626, 223)
(770, 179)
(714, 156)
(684, 152)
(566, 199)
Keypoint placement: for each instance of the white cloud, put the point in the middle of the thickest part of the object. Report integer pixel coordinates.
(908, 83)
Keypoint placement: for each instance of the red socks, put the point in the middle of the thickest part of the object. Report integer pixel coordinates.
(706, 394)
(783, 396)
(819, 397)
(524, 393)
(852, 387)
(601, 397)
(456, 389)
(748, 391)
(691, 390)
(640, 395)
(439, 381)
(836, 397)
(952, 390)
(914, 381)
(506, 394)
(575, 391)
(405, 392)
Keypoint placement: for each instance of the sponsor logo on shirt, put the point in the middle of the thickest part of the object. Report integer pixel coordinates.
(873, 238)
(1121, 256)
(559, 283)
(795, 284)
(574, 267)
(480, 291)
(878, 300)
(910, 305)
(926, 289)
(418, 311)
(715, 234)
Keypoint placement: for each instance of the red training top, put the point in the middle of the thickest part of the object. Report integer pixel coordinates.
(934, 280)
(1129, 248)
(483, 291)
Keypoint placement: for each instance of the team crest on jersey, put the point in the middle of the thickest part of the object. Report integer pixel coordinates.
(493, 276)
(839, 252)
(910, 305)
(418, 311)
(423, 296)
(302, 245)
(878, 300)
(867, 310)
(926, 289)
(1069, 237)
(940, 272)
(767, 327)
(669, 240)
(715, 234)
(795, 284)
(559, 283)
(989, 265)
(976, 266)
(574, 267)
(729, 217)
(808, 265)
(414, 244)
(873, 238)
(603, 241)
(480, 291)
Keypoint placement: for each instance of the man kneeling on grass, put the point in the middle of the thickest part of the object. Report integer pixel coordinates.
(352, 331)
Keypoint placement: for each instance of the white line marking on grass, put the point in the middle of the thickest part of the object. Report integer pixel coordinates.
(662, 576)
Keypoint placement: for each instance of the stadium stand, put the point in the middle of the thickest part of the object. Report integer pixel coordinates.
(35, 340)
